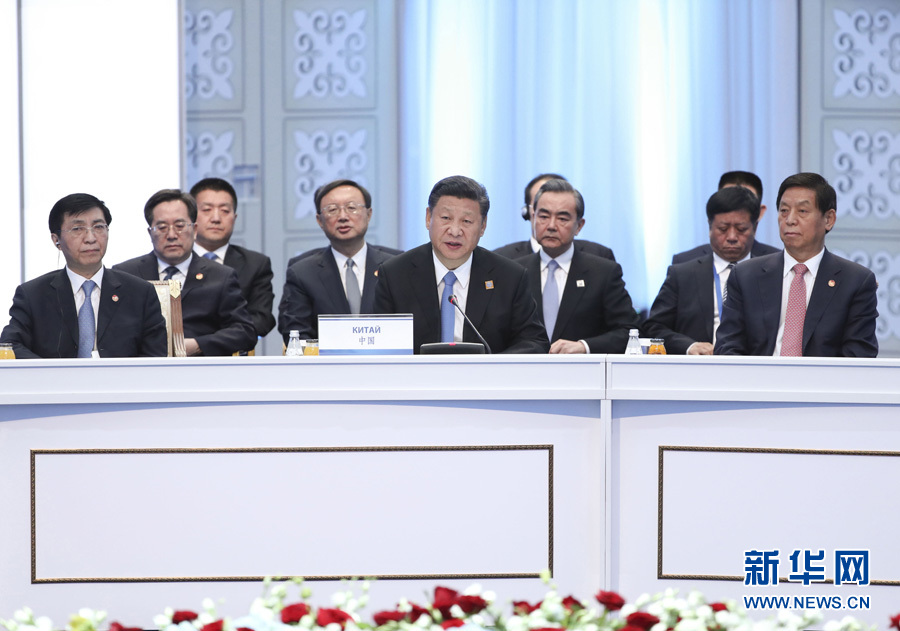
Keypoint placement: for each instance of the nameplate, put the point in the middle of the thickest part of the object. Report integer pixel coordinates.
(366, 334)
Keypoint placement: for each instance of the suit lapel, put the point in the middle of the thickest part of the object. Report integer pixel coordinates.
(195, 274)
(770, 285)
(374, 258)
(66, 301)
(534, 283)
(479, 296)
(108, 306)
(148, 267)
(704, 296)
(422, 275)
(572, 294)
(330, 278)
(822, 293)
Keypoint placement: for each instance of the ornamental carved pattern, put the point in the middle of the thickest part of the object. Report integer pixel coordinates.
(886, 268)
(868, 173)
(867, 60)
(208, 47)
(209, 155)
(329, 54)
(325, 156)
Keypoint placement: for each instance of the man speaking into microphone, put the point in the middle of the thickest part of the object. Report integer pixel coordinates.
(490, 289)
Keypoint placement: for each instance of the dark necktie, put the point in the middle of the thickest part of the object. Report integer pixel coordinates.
(448, 311)
(86, 330)
(170, 272)
(354, 297)
(725, 285)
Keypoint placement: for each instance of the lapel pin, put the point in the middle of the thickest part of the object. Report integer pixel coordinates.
(199, 276)
(376, 273)
(115, 298)
(831, 283)
(488, 284)
(579, 283)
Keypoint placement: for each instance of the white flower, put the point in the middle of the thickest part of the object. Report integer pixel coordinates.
(472, 590)
(162, 620)
(332, 626)
(404, 606)
(44, 624)
(516, 623)
(489, 596)
(339, 599)
(25, 615)
(457, 612)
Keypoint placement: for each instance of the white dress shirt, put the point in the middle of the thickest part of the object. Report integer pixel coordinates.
(181, 276)
(564, 261)
(460, 290)
(220, 252)
(812, 269)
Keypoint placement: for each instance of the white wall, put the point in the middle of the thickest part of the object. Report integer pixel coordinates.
(11, 252)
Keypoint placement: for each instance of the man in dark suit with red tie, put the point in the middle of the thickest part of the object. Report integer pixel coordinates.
(490, 289)
(339, 279)
(84, 308)
(216, 321)
(581, 298)
(804, 301)
(217, 205)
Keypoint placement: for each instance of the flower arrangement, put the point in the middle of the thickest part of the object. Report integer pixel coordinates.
(473, 608)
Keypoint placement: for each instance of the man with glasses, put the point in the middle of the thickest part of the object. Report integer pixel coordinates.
(84, 309)
(216, 321)
(337, 279)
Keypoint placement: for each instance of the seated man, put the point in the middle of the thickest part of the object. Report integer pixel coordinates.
(84, 308)
(752, 183)
(216, 213)
(686, 312)
(337, 279)
(216, 321)
(580, 297)
(490, 289)
(519, 249)
(803, 301)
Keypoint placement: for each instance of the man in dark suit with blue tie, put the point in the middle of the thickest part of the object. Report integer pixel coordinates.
(581, 298)
(214, 312)
(217, 205)
(686, 312)
(84, 308)
(804, 301)
(339, 279)
(518, 249)
(491, 290)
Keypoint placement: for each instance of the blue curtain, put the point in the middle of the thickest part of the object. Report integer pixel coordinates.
(641, 104)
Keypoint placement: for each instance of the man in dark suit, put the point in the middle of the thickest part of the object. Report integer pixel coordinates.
(54, 315)
(519, 249)
(686, 312)
(340, 278)
(490, 289)
(803, 301)
(216, 214)
(216, 321)
(581, 298)
(751, 182)
(381, 248)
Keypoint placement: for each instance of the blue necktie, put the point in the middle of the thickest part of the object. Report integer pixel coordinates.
(212, 256)
(86, 321)
(448, 311)
(170, 272)
(551, 298)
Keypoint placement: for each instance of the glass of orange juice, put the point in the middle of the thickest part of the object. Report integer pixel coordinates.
(657, 346)
(311, 347)
(6, 351)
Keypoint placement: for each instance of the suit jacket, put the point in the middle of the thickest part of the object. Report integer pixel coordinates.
(757, 249)
(521, 249)
(313, 286)
(43, 321)
(499, 302)
(212, 308)
(254, 273)
(840, 316)
(314, 251)
(595, 306)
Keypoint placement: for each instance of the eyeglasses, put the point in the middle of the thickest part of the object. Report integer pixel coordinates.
(163, 228)
(352, 209)
(80, 232)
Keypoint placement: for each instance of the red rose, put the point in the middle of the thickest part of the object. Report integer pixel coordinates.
(182, 616)
(243, 629)
(570, 603)
(417, 612)
(383, 617)
(642, 619)
(611, 600)
(522, 608)
(293, 613)
(895, 622)
(471, 604)
(452, 622)
(444, 598)
(550, 629)
(213, 626)
(115, 626)
(719, 607)
(327, 616)
(631, 627)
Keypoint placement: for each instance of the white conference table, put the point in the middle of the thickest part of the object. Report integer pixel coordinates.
(135, 484)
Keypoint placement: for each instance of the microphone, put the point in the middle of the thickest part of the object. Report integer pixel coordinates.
(455, 303)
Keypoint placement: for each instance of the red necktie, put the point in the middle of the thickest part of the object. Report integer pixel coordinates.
(792, 339)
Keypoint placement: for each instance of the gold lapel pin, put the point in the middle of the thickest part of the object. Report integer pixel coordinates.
(376, 273)
(831, 283)
(115, 298)
(199, 276)
(488, 284)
